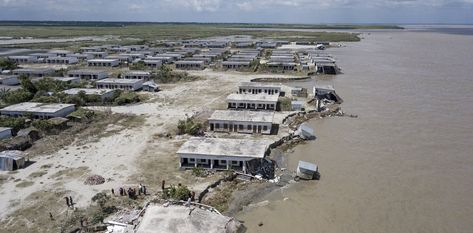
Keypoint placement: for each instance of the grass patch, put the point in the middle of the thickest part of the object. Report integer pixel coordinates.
(37, 174)
(71, 172)
(24, 184)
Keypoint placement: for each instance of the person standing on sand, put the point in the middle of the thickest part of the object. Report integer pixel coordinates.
(71, 202)
(67, 202)
(113, 192)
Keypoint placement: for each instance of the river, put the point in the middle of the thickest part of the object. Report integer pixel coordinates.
(406, 163)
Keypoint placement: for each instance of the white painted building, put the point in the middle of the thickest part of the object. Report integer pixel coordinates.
(221, 153)
(60, 52)
(5, 132)
(38, 110)
(34, 72)
(241, 121)
(153, 64)
(137, 74)
(102, 93)
(252, 102)
(190, 65)
(122, 84)
(62, 60)
(259, 88)
(75, 80)
(87, 74)
(23, 59)
(236, 64)
(9, 80)
(103, 62)
(98, 55)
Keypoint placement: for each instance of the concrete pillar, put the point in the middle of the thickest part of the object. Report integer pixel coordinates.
(195, 164)
(211, 164)
(180, 162)
(228, 165)
(244, 167)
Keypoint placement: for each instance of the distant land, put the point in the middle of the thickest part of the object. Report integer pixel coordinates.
(228, 25)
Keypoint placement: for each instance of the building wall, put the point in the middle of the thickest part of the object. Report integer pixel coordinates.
(258, 90)
(213, 162)
(251, 105)
(5, 134)
(240, 126)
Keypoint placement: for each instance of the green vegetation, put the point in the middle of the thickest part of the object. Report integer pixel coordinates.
(189, 126)
(285, 104)
(166, 75)
(16, 123)
(199, 172)
(180, 192)
(176, 31)
(7, 64)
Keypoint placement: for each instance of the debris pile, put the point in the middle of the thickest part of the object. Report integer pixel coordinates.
(263, 167)
(94, 180)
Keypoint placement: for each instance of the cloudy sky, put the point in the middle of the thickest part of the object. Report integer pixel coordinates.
(247, 11)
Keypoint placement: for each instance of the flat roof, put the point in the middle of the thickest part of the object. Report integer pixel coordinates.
(65, 79)
(175, 218)
(12, 154)
(189, 62)
(247, 116)
(86, 71)
(137, 72)
(102, 60)
(37, 70)
(256, 84)
(253, 97)
(119, 80)
(236, 63)
(4, 128)
(244, 148)
(36, 107)
(88, 91)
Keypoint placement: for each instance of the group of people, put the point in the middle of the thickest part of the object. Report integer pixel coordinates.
(131, 192)
(69, 201)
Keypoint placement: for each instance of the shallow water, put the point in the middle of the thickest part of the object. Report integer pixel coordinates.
(406, 164)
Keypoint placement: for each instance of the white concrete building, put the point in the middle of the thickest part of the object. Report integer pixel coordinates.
(259, 88)
(253, 102)
(102, 93)
(9, 80)
(5, 132)
(62, 60)
(98, 55)
(87, 74)
(241, 121)
(137, 74)
(60, 52)
(153, 64)
(236, 64)
(75, 80)
(122, 84)
(190, 65)
(34, 72)
(103, 62)
(38, 110)
(23, 59)
(221, 153)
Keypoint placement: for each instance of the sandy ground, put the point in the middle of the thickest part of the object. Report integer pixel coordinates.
(127, 158)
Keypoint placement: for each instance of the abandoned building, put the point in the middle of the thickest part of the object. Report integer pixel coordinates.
(38, 110)
(5, 132)
(87, 74)
(285, 66)
(34, 72)
(11, 160)
(241, 121)
(259, 88)
(153, 64)
(150, 86)
(122, 84)
(62, 60)
(252, 102)
(9, 80)
(103, 62)
(98, 55)
(136, 74)
(190, 65)
(60, 53)
(236, 64)
(102, 93)
(220, 153)
(74, 80)
(23, 59)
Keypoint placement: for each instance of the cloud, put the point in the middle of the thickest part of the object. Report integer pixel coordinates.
(197, 5)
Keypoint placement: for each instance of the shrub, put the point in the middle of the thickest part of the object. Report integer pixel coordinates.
(180, 192)
(17, 96)
(16, 123)
(43, 125)
(127, 97)
(189, 126)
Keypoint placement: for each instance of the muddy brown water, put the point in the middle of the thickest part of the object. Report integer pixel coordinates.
(406, 164)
